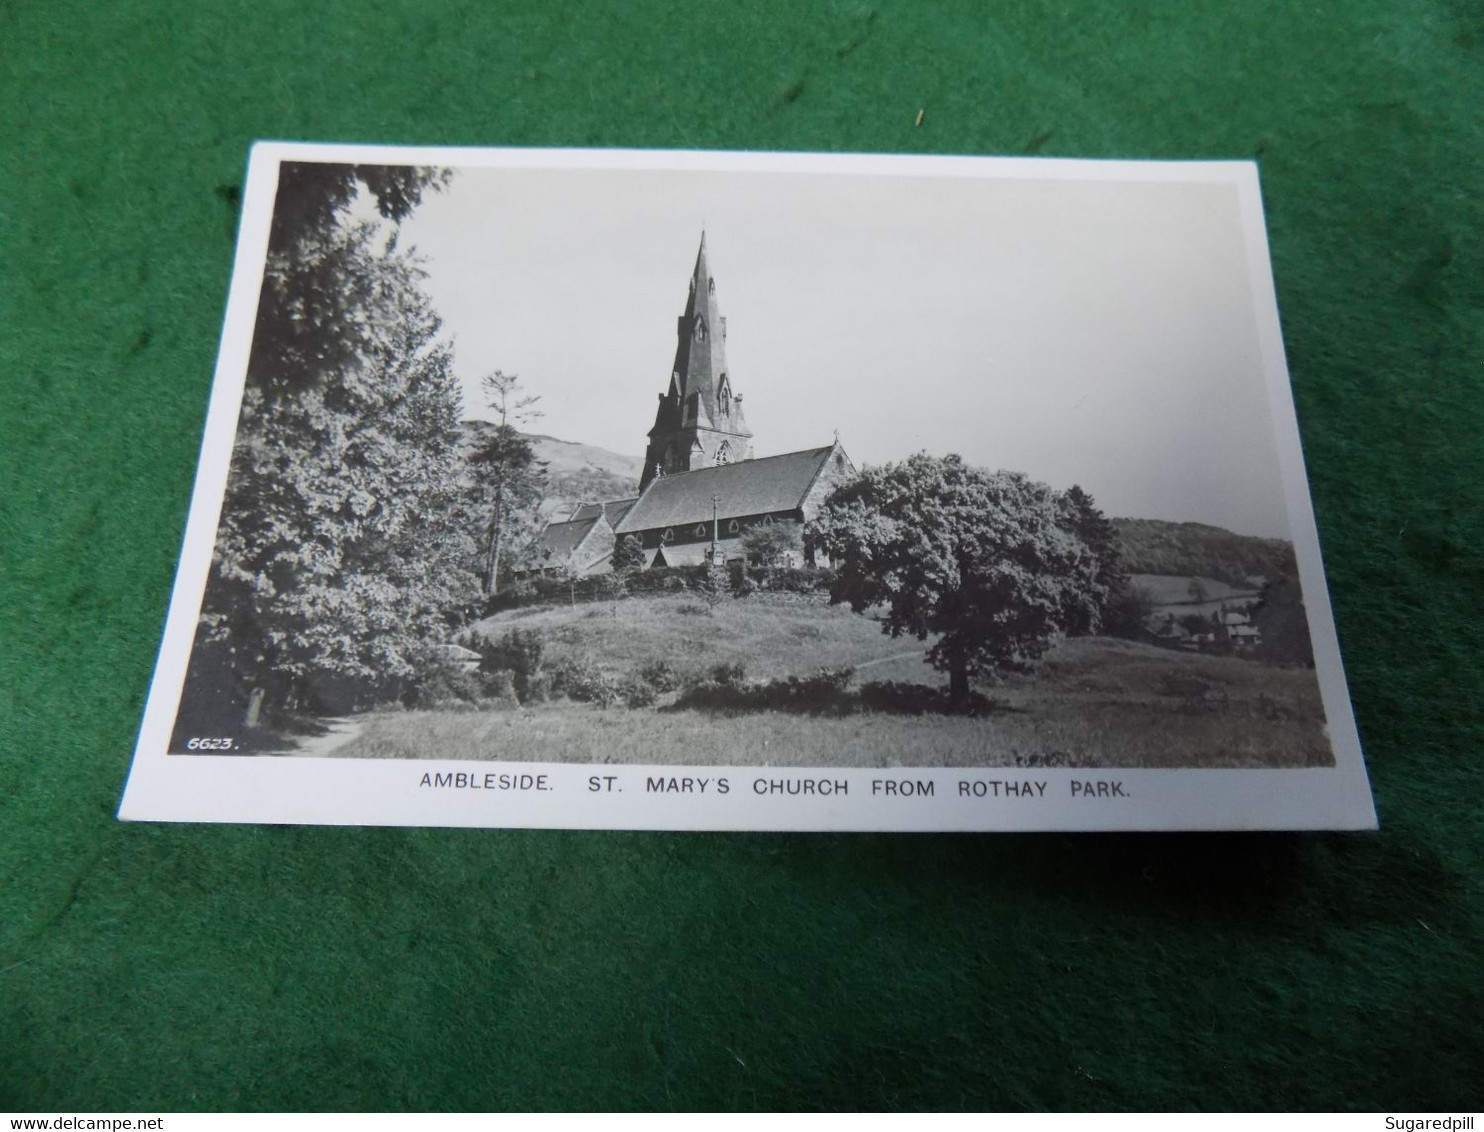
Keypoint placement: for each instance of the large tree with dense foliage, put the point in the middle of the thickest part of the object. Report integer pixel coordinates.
(320, 311)
(340, 548)
(1080, 516)
(982, 561)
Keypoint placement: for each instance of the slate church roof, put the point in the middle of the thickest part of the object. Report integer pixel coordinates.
(752, 487)
(558, 540)
(561, 539)
(614, 511)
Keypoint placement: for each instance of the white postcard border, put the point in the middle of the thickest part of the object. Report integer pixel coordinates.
(347, 791)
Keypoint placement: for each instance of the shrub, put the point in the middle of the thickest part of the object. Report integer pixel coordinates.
(520, 591)
(830, 679)
(823, 688)
(584, 681)
(820, 693)
(547, 589)
(628, 553)
(498, 688)
(514, 594)
(795, 579)
(728, 675)
(638, 693)
(660, 675)
(712, 586)
(900, 698)
(444, 685)
(519, 653)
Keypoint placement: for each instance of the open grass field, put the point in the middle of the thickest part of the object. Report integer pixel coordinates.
(1093, 702)
(1171, 593)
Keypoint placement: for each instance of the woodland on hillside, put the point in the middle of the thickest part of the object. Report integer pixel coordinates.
(1196, 550)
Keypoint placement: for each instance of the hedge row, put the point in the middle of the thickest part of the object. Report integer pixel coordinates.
(664, 579)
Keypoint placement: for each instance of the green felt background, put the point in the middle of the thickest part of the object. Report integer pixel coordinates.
(158, 967)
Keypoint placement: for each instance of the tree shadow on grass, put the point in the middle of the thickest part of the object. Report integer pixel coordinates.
(827, 694)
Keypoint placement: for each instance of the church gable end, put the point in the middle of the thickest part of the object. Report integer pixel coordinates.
(832, 473)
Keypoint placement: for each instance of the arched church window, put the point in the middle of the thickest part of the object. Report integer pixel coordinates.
(668, 536)
(724, 453)
(700, 530)
(733, 527)
(700, 329)
(710, 286)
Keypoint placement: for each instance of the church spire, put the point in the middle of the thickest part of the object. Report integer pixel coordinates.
(699, 422)
(701, 344)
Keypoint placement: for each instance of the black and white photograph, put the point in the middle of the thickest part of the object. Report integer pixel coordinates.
(677, 490)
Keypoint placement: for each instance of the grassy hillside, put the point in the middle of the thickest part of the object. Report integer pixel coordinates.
(577, 473)
(1152, 546)
(583, 473)
(1094, 702)
(770, 637)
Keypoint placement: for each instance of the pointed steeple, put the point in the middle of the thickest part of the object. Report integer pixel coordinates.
(701, 348)
(699, 421)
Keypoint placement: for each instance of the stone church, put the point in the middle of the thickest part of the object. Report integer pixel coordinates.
(702, 485)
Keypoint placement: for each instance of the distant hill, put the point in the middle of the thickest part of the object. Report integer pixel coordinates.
(584, 473)
(1153, 546)
(577, 473)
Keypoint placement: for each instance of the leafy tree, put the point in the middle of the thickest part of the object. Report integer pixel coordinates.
(320, 312)
(1197, 623)
(1082, 518)
(982, 560)
(1279, 615)
(771, 544)
(1127, 610)
(712, 586)
(508, 477)
(338, 553)
(628, 554)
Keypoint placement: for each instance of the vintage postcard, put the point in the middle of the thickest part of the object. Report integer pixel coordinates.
(668, 490)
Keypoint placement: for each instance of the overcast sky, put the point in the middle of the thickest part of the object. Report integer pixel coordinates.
(1088, 332)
